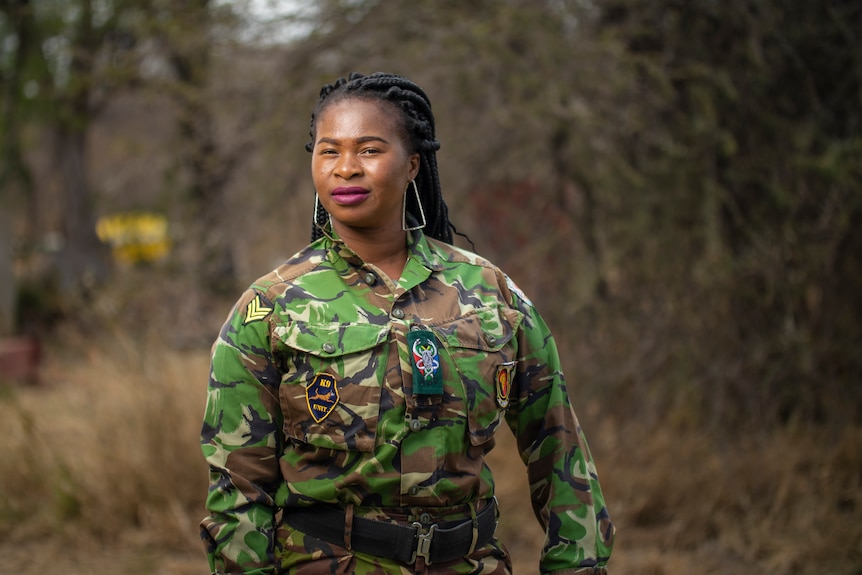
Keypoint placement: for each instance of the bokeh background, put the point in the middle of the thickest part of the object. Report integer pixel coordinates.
(676, 184)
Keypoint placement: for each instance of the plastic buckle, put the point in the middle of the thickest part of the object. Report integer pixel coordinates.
(424, 536)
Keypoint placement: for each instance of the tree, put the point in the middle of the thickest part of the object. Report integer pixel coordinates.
(94, 51)
(61, 50)
(186, 35)
(24, 64)
(82, 262)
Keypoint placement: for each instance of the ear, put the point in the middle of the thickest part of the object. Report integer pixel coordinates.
(413, 162)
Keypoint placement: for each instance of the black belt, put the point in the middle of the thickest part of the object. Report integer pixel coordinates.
(436, 543)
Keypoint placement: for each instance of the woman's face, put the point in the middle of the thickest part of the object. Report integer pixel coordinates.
(361, 165)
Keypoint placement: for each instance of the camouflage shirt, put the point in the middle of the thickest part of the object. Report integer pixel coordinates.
(332, 383)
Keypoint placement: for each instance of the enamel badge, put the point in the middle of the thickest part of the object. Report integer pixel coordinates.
(321, 396)
(427, 379)
(503, 382)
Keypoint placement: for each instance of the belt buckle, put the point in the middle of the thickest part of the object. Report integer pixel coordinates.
(424, 535)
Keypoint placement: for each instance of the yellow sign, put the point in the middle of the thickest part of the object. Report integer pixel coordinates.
(135, 237)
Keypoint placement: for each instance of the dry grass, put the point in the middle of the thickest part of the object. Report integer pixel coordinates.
(104, 452)
(102, 474)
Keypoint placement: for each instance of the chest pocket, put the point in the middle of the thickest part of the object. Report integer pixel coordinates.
(331, 382)
(480, 345)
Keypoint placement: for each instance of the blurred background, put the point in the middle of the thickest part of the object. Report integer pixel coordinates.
(676, 184)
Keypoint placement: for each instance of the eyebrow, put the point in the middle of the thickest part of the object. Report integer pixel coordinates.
(361, 140)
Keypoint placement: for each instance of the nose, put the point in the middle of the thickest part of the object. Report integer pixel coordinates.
(348, 165)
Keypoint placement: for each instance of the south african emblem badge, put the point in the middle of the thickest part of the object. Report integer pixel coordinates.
(321, 396)
(503, 382)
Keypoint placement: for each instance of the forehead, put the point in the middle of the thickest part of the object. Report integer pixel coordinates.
(356, 115)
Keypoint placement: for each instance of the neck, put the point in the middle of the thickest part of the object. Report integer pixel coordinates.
(384, 248)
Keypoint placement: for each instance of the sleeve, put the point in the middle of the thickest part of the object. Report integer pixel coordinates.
(564, 486)
(241, 439)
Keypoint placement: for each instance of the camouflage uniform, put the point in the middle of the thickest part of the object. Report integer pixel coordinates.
(313, 399)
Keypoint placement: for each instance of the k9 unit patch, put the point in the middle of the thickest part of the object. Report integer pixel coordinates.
(321, 396)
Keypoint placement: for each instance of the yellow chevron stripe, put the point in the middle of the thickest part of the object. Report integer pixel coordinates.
(256, 310)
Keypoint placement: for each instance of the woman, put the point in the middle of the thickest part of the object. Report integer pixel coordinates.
(356, 389)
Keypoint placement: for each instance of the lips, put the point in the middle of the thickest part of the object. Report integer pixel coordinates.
(348, 196)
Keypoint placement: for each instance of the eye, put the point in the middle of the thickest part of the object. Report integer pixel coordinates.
(370, 151)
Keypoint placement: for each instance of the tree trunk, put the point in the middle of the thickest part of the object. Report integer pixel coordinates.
(82, 262)
(587, 220)
(14, 174)
(7, 279)
(208, 167)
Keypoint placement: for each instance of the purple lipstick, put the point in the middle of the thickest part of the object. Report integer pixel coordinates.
(349, 196)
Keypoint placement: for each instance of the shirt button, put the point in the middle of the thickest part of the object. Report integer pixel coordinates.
(415, 425)
(413, 490)
(398, 313)
(328, 347)
(370, 279)
(490, 339)
(425, 518)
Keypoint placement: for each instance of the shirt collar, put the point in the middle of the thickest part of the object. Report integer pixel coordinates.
(422, 258)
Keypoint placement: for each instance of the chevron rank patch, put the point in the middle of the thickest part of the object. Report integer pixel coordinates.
(321, 396)
(256, 310)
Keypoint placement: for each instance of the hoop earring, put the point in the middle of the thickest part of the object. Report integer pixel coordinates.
(404, 225)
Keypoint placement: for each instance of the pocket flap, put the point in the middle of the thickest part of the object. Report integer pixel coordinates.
(485, 329)
(331, 339)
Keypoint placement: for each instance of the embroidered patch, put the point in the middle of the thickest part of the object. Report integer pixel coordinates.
(255, 310)
(427, 379)
(321, 396)
(503, 382)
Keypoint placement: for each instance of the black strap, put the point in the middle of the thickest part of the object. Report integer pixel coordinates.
(438, 543)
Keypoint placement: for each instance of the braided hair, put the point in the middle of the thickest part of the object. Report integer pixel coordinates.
(418, 123)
